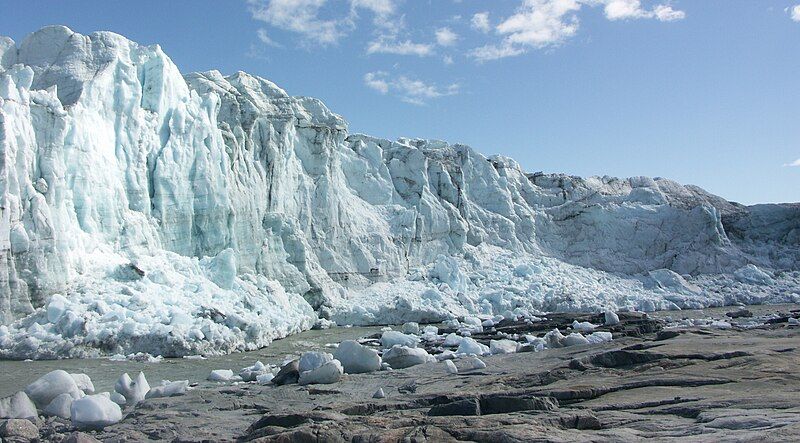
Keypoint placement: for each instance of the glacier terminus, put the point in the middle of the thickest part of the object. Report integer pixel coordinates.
(144, 210)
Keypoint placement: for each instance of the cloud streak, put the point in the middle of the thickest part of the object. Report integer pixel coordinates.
(409, 90)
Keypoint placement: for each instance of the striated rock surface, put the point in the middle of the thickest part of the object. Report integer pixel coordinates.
(144, 210)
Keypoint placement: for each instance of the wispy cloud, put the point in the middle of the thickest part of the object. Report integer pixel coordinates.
(407, 89)
(794, 163)
(263, 37)
(300, 17)
(389, 45)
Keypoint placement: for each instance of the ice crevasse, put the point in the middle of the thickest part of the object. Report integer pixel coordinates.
(146, 210)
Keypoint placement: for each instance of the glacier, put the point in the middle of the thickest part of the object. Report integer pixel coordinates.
(148, 211)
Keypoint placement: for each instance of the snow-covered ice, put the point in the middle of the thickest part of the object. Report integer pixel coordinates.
(399, 357)
(59, 407)
(356, 358)
(391, 338)
(150, 211)
(470, 346)
(17, 406)
(134, 391)
(220, 375)
(168, 389)
(94, 412)
(502, 346)
(450, 367)
(51, 385)
(329, 372)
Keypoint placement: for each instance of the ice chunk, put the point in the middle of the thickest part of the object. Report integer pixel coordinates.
(470, 346)
(583, 326)
(450, 367)
(452, 339)
(379, 393)
(575, 339)
(251, 373)
(476, 363)
(313, 360)
(50, 386)
(265, 379)
(411, 328)
(554, 339)
(133, 391)
(753, 275)
(399, 357)
(220, 375)
(94, 412)
(599, 337)
(17, 406)
(391, 338)
(84, 383)
(59, 407)
(329, 372)
(611, 318)
(169, 389)
(356, 358)
(502, 346)
(118, 398)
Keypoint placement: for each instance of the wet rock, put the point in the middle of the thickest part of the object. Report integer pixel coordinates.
(458, 407)
(503, 404)
(18, 429)
(288, 374)
(80, 437)
(741, 313)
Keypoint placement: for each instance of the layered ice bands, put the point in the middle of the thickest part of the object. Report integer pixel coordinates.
(146, 211)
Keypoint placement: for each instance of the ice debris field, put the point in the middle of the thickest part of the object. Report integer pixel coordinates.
(72, 397)
(146, 211)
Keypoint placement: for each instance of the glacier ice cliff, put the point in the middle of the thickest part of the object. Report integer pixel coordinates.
(145, 210)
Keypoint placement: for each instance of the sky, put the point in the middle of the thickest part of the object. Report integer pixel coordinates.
(705, 92)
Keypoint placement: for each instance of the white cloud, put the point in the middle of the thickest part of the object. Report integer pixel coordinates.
(794, 12)
(794, 163)
(448, 60)
(538, 24)
(632, 9)
(480, 22)
(301, 17)
(409, 90)
(446, 37)
(388, 45)
(374, 80)
(384, 12)
(665, 13)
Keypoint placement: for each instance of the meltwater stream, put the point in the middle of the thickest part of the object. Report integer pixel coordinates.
(15, 375)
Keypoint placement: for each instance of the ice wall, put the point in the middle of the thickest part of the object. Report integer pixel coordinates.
(211, 213)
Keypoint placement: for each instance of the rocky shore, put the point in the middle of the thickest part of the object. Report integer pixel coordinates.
(718, 377)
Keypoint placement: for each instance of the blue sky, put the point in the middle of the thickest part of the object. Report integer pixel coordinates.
(703, 92)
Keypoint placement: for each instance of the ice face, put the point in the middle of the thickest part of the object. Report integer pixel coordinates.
(146, 211)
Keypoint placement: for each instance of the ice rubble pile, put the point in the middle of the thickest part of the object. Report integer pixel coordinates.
(72, 397)
(143, 210)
